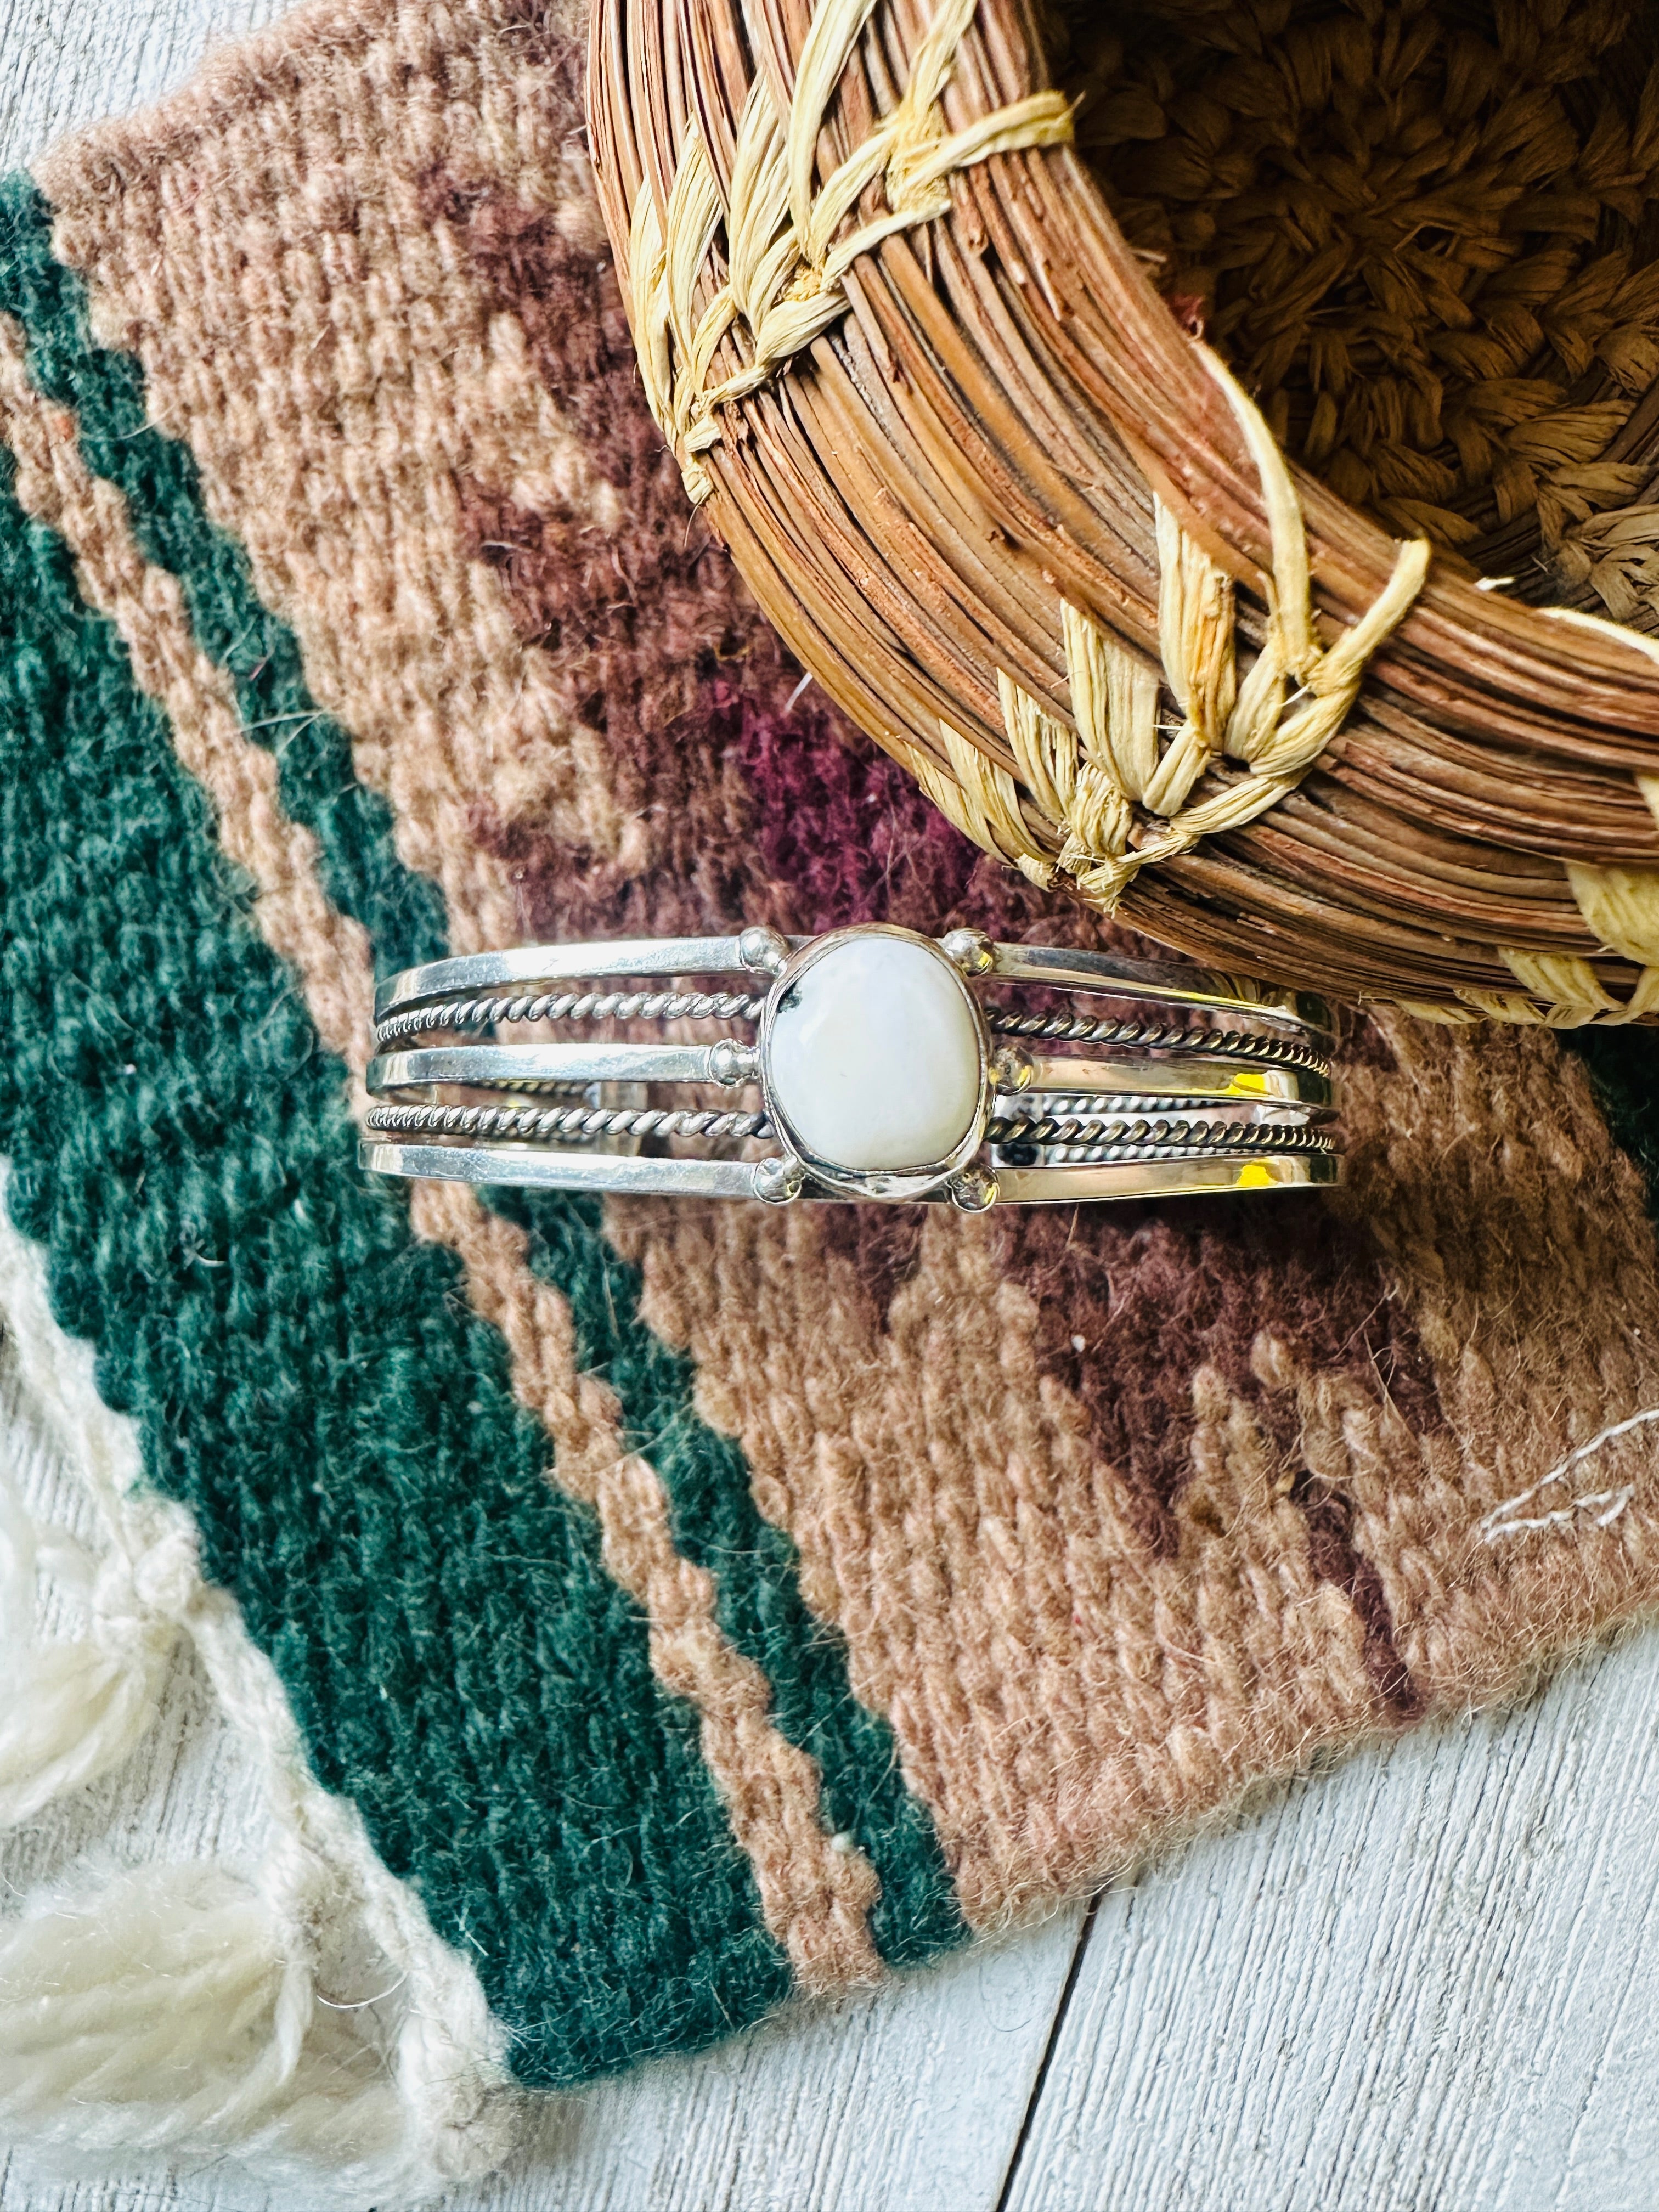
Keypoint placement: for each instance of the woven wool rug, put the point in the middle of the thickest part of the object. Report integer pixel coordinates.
(642, 1614)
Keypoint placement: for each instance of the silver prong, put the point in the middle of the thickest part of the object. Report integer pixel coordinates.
(971, 951)
(779, 1179)
(1012, 1069)
(731, 1063)
(972, 1191)
(764, 948)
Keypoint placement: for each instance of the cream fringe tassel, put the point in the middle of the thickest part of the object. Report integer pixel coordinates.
(299, 2014)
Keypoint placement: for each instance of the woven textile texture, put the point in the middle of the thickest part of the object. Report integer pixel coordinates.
(696, 1606)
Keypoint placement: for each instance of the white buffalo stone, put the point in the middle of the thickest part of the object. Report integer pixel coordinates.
(874, 1059)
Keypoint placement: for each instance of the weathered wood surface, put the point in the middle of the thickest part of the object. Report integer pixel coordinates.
(1428, 1979)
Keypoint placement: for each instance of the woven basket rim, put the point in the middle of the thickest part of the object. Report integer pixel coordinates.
(1576, 699)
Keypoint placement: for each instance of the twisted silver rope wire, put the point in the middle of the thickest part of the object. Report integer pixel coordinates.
(570, 1006)
(1235, 1044)
(541, 1125)
(1206, 1136)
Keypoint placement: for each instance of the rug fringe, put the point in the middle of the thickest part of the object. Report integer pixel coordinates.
(298, 2014)
(75, 1707)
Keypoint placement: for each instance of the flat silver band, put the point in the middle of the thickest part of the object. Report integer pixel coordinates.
(1184, 1084)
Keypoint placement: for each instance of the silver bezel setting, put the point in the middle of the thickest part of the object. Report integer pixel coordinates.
(891, 1184)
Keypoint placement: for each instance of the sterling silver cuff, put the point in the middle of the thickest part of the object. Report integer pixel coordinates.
(869, 1063)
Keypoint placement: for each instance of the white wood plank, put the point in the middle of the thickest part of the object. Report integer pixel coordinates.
(1430, 1979)
(67, 62)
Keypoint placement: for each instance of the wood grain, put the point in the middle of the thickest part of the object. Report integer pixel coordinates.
(1428, 1979)
(66, 62)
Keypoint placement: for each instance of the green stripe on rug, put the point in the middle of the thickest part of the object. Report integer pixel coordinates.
(402, 912)
(718, 1525)
(716, 1522)
(310, 1381)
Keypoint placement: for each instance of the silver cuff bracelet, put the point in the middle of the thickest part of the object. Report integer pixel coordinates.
(869, 1063)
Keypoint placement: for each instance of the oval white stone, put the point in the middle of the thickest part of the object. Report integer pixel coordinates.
(874, 1056)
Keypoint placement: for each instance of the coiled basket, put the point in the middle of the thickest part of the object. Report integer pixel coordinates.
(1033, 535)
